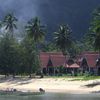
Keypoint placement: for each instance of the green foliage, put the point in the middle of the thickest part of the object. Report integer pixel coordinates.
(9, 55)
(30, 55)
(35, 30)
(95, 24)
(88, 42)
(95, 29)
(75, 49)
(62, 38)
(35, 33)
(18, 58)
(97, 42)
(48, 47)
(9, 23)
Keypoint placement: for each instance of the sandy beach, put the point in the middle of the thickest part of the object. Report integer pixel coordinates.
(63, 85)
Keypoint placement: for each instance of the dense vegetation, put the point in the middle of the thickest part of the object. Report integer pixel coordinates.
(19, 57)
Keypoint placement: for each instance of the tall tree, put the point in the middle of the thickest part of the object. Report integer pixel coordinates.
(97, 40)
(95, 29)
(95, 23)
(30, 56)
(9, 56)
(35, 30)
(87, 43)
(62, 38)
(9, 23)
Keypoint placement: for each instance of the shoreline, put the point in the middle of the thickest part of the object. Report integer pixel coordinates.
(50, 85)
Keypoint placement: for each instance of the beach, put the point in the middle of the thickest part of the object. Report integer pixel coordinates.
(63, 85)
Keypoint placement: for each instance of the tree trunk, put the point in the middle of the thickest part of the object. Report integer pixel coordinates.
(13, 75)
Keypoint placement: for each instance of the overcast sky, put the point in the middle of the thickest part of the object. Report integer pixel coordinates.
(76, 13)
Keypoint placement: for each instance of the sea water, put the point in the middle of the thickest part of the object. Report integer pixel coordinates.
(52, 96)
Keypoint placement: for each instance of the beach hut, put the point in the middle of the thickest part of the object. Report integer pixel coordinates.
(51, 61)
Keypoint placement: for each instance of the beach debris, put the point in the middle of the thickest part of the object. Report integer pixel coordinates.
(92, 84)
(10, 90)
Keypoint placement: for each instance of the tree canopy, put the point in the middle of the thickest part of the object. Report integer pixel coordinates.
(63, 38)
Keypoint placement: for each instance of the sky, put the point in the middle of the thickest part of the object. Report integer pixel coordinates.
(52, 13)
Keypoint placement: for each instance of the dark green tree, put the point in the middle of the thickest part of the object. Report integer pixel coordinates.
(63, 39)
(9, 56)
(35, 30)
(95, 29)
(48, 47)
(95, 23)
(31, 62)
(97, 40)
(9, 23)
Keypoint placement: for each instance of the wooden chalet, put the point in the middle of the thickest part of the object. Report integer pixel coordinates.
(51, 62)
(89, 61)
(86, 61)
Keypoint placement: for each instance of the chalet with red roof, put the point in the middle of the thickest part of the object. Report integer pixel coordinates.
(87, 61)
(52, 62)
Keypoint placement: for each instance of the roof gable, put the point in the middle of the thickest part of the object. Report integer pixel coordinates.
(50, 58)
(91, 58)
(49, 63)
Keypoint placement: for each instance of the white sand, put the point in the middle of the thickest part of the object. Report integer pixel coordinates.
(49, 85)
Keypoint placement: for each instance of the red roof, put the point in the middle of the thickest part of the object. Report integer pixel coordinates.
(57, 59)
(44, 60)
(91, 58)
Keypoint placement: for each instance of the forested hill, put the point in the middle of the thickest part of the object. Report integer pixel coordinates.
(77, 13)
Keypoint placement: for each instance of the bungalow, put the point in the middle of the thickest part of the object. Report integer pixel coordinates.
(89, 61)
(86, 61)
(52, 62)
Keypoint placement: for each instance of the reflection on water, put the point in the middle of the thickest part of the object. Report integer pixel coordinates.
(52, 96)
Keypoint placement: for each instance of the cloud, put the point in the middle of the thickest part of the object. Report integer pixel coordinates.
(52, 12)
(23, 9)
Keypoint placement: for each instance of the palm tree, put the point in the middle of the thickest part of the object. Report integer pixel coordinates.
(62, 39)
(97, 40)
(95, 29)
(96, 20)
(36, 33)
(9, 23)
(35, 30)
